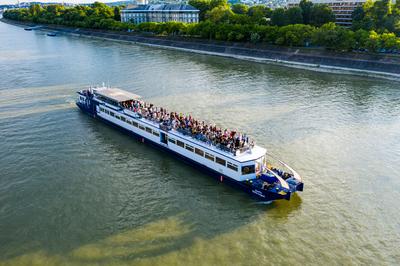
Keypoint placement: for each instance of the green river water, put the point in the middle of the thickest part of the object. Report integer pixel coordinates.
(74, 191)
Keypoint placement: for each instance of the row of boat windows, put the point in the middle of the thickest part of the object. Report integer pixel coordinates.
(250, 169)
(133, 123)
(204, 154)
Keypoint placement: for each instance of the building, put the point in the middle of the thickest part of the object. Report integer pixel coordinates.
(341, 8)
(160, 13)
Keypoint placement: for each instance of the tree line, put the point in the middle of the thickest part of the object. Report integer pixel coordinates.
(380, 16)
(219, 11)
(302, 26)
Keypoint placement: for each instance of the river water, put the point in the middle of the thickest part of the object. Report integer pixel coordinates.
(74, 191)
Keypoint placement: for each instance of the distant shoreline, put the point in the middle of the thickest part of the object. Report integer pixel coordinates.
(376, 65)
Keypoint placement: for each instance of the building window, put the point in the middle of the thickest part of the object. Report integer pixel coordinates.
(199, 152)
(180, 143)
(220, 161)
(209, 156)
(232, 166)
(248, 169)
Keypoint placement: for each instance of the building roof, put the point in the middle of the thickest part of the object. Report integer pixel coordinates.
(162, 8)
(116, 94)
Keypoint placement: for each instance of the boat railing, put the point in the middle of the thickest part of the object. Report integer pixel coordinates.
(131, 113)
(165, 126)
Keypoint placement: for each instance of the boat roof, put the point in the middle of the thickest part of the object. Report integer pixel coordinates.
(116, 94)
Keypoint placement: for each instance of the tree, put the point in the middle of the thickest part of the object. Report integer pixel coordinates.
(372, 43)
(35, 9)
(381, 16)
(279, 17)
(240, 9)
(334, 37)
(219, 14)
(306, 7)
(218, 3)
(202, 5)
(295, 15)
(321, 14)
(389, 41)
(117, 13)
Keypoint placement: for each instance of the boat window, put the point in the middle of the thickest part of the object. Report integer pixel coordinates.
(123, 118)
(117, 116)
(107, 112)
(189, 148)
(248, 169)
(232, 166)
(111, 113)
(141, 127)
(155, 133)
(220, 161)
(129, 122)
(149, 130)
(134, 123)
(171, 140)
(209, 156)
(199, 152)
(180, 143)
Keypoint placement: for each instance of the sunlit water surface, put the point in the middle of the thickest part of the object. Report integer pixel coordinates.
(74, 191)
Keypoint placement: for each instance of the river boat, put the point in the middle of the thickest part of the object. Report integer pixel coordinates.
(51, 34)
(247, 167)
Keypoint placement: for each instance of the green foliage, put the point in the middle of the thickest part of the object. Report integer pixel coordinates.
(295, 15)
(202, 5)
(295, 35)
(321, 14)
(279, 17)
(306, 7)
(98, 15)
(241, 9)
(380, 16)
(219, 14)
(258, 14)
(306, 13)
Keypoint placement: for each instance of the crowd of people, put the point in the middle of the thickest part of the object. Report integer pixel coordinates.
(230, 141)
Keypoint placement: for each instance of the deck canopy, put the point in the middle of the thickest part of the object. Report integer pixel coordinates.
(116, 95)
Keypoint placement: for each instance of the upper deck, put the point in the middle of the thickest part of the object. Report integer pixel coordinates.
(250, 154)
(118, 99)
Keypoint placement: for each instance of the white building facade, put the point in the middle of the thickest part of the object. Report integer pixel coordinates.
(342, 9)
(160, 13)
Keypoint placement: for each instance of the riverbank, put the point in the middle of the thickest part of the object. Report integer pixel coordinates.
(387, 66)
